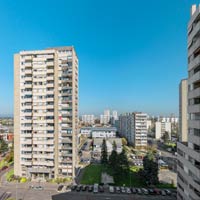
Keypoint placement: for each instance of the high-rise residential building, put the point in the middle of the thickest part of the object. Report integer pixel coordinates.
(114, 115)
(133, 126)
(88, 119)
(183, 102)
(188, 186)
(107, 112)
(161, 128)
(106, 117)
(45, 113)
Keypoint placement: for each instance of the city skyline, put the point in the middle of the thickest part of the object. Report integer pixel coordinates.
(128, 39)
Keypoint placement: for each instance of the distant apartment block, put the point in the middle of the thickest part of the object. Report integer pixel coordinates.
(45, 113)
(188, 186)
(133, 126)
(161, 128)
(88, 119)
(115, 115)
(183, 103)
(99, 132)
(149, 124)
(105, 118)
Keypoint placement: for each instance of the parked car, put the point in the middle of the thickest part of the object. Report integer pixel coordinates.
(151, 191)
(145, 191)
(163, 193)
(73, 187)
(138, 191)
(168, 192)
(40, 187)
(123, 190)
(4, 167)
(133, 190)
(157, 191)
(90, 188)
(96, 188)
(118, 189)
(68, 188)
(84, 188)
(101, 189)
(111, 189)
(128, 190)
(78, 188)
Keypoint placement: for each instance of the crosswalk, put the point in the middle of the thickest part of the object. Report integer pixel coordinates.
(4, 195)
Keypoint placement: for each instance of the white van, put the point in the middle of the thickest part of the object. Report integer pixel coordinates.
(96, 188)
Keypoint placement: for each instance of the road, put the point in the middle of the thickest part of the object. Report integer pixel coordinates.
(52, 194)
(101, 196)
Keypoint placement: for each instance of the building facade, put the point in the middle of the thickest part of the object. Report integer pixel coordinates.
(105, 118)
(188, 186)
(99, 132)
(88, 119)
(45, 113)
(183, 102)
(161, 128)
(133, 126)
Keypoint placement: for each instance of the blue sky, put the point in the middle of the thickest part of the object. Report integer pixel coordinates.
(132, 53)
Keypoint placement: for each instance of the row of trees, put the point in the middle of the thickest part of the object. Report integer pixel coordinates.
(119, 164)
(117, 161)
(150, 169)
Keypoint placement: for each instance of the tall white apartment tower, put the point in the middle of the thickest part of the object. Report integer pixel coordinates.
(133, 126)
(183, 102)
(45, 113)
(188, 186)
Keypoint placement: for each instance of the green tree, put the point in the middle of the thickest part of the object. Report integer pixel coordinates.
(124, 142)
(104, 154)
(150, 169)
(3, 146)
(114, 146)
(114, 162)
(165, 137)
(123, 161)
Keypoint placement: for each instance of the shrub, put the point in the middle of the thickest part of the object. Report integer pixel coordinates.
(23, 180)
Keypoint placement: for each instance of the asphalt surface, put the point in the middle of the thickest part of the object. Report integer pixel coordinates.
(22, 191)
(101, 196)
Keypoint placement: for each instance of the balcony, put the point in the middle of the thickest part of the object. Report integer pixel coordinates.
(194, 62)
(28, 64)
(26, 141)
(66, 140)
(49, 63)
(26, 149)
(65, 154)
(26, 163)
(194, 93)
(28, 78)
(66, 147)
(50, 78)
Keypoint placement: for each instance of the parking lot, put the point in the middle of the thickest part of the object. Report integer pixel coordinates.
(90, 196)
(50, 192)
(112, 192)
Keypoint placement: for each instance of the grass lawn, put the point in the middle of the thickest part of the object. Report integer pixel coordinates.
(130, 179)
(170, 144)
(3, 163)
(166, 185)
(92, 174)
(9, 174)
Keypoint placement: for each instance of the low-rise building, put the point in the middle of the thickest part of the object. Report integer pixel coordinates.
(99, 132)
(97, 145)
